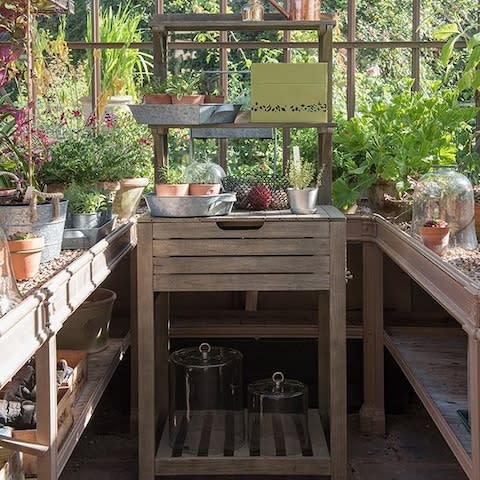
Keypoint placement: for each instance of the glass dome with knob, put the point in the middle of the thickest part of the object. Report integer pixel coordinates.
(445, 195)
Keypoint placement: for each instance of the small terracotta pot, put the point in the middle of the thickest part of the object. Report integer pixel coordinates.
(204, 189)
(157, 99)
(436, 238)
(188, 99)
(26, 256)
(214, 98)
(171, 190)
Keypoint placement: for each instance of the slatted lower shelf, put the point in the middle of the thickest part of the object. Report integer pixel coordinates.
(248, 459)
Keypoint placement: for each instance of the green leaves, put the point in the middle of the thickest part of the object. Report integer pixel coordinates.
(445, 31)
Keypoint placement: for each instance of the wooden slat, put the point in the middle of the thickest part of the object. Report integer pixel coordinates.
(243, 229)
(243, 461)
(264, 264)
(240, 282)
(101, 367)
(436, 367)
(240, 247)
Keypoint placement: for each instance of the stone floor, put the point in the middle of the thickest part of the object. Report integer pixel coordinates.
(413, 449)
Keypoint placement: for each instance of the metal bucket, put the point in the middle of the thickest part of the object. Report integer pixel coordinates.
(302, 202)
(17, 218)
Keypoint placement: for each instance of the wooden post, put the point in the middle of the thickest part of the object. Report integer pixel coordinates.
(46, 379)
(372, 413)
(146, 355)
(473, 367)
(338, 352)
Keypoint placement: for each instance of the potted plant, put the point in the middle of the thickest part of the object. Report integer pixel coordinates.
(172, 182)
(184, 89)
(154, 92)
(203, 178)
(121, 67)
(212, 89)
(436, 235)
(87, 206)
(25, 251)
(302, 196)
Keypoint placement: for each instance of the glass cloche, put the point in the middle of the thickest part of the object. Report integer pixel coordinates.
(444, 194)
(206, 395)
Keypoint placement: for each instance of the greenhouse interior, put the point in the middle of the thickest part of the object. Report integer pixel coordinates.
(333, 145)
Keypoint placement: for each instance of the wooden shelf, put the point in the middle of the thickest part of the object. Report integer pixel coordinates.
(101, 367)
(315, 459)
(243, 324)
(25, 328)
(195, 22)
(435, 363)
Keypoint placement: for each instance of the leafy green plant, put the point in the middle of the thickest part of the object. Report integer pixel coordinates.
(452, 33)
(85, 200)
(154, 85)
(400, 136)
(182, 85)
(173, 175)
(121, 67)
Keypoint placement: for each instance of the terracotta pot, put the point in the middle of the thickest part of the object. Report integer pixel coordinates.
(171, 190)
(157, 99)
(109, 186)
(128, 196)
(7, 192)
(477, 219)
(214, 98)
(26, 256)
(188, 99)
(204, 189)
(436, 238)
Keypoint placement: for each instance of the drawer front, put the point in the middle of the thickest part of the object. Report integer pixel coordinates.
(269, 256)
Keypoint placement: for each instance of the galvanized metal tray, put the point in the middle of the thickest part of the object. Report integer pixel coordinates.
(84, 238)
(208, 114)
(191, 205)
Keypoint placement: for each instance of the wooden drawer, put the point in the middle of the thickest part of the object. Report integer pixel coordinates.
(241, 255)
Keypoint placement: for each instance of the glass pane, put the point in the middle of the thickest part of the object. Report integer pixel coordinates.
(384, 21)
(379, 67)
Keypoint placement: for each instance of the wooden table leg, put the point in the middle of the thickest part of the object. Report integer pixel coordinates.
(338, 353)
(372, 413)
(146, 354)
(474, 405)
(46, 373)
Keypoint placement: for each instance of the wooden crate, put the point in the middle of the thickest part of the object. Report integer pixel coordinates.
(65, 400)
(235, 253)
(67, 394)
(10, 465)
(77, 359)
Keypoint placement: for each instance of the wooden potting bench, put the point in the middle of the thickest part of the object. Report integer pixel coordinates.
(257, 251)
(441, 363)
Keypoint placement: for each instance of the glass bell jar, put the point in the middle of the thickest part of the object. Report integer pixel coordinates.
(446, 194)
(9, 293)
(206, 400)
(277, 416)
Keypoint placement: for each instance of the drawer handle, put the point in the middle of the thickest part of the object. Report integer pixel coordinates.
(253, 225)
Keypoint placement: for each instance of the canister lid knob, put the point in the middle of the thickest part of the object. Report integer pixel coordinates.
(204, 349)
